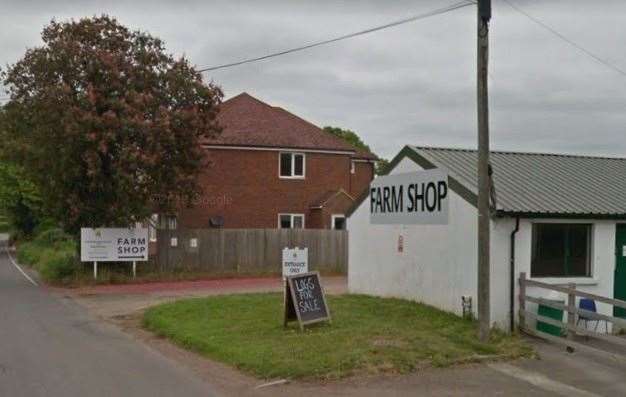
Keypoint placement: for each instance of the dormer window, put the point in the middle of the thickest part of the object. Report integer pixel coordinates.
(291, 165)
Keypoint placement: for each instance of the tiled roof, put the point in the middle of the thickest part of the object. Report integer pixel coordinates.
(247, 121)
(540, 183)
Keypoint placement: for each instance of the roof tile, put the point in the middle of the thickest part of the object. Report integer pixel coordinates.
(247, 121)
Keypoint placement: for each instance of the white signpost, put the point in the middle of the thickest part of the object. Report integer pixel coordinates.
(295, 261)
(412, 198)
(113, 245)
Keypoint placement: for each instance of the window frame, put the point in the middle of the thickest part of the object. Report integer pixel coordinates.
(153, 223)
(336, 216)
(171, 220)
(291, 216)
(293, 165)
(590, 252)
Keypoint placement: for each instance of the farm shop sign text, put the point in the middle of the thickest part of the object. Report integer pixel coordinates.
(412, 198)
(113, 245)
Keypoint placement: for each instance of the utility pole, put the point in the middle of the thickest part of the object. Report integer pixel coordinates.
(484, 15)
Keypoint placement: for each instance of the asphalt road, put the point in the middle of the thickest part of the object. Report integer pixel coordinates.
(50, 346)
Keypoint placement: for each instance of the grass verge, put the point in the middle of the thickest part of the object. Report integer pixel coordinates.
(367, 334)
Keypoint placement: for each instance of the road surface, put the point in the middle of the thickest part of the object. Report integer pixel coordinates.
(50, 346)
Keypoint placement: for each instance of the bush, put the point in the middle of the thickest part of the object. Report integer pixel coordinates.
(52, 236)
(43, 225)
(29, 253)
(58, 265)
(5, 227)
(52, 253)
(20, 200)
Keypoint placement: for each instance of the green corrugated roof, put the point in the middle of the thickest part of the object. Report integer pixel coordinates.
(540, 183)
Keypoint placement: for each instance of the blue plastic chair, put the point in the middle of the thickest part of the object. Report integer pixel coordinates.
(590, 305)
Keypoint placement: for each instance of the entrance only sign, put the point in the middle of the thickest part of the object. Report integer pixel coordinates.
(412, 198)
(295, 261)
(113, 245)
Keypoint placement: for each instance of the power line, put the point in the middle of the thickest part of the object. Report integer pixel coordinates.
(568, 41)
(432, 13)
(438, 11)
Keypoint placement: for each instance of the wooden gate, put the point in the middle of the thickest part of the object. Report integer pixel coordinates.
(571, 328)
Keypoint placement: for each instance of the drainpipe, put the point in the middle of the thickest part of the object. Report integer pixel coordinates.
(512, 286)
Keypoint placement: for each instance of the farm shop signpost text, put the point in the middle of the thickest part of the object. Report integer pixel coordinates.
(412, 198)
(305, 300)
(113, 245)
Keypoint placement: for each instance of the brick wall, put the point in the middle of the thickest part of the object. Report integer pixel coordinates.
(243, 186)
(363, 175)
(338, 205)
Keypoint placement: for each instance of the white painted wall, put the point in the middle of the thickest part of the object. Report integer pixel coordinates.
(501, 230)
(439, 262)
(437, 265)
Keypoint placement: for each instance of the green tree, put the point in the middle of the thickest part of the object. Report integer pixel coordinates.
(349, 136)
(381, 166)
(106, 124)
(20, 200)
(353, 138)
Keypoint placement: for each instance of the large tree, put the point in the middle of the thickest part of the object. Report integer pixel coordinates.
(106, 123)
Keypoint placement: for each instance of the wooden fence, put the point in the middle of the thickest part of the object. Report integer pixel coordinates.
(248, 251)
(571, 328)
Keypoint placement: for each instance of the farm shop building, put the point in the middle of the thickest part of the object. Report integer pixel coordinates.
(559, 218)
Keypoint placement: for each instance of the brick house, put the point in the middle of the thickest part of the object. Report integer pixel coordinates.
(272, 169)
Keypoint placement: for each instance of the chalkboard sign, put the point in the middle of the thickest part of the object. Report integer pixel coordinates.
(305, 300)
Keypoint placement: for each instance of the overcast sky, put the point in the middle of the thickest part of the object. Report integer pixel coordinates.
(412, 84)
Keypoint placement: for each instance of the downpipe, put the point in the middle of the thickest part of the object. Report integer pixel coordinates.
(512, 278)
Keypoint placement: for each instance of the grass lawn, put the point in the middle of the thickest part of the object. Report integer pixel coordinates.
(367, 335)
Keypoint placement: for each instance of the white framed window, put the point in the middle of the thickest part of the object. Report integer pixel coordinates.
(352, 167)
(152, 227)
(172, 222)
(291, 165)
(338, 221)
(291, 221)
